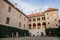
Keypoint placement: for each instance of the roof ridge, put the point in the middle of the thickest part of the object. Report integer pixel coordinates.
(36, 14)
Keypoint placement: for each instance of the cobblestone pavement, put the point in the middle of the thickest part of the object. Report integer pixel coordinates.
(32, 38)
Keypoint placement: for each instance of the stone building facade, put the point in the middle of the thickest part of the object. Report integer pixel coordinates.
(36, 23)
(39, 21)
(12, 16)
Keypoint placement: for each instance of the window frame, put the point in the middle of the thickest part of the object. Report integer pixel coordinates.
(9, 9)
(7, 20)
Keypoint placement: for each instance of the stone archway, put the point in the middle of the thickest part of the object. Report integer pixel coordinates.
(42, 34)
(38, 25)
(29, 26)
(44, 24)
(34, 25)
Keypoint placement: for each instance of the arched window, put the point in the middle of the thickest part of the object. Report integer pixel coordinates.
(44, 24)
(39, 25)
(34, 25)
(29, 26)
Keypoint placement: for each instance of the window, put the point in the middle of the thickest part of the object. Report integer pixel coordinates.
(59, 21)
(34, 19)
(9, 9)
(55, 19)
(20, 15)
(39, 25)
(29, 20)
(43, 18)
(48, 23)
(19, 24)
(47, 17)
(7, 20)
(24, 18)
(44, 23)
(34, 24)
(29, 26)
(24, 25)
(56, 25)
(38, 19)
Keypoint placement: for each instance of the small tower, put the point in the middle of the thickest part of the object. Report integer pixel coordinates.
(51, 15)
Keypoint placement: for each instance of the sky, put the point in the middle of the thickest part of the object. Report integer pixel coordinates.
(29, 6)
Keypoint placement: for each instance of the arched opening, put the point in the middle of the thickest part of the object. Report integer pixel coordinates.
(29, 26)
(39, 25)
(33, 35)
(42, 34)
(34, 25)
(29, 34)
(44, 24)
(59, 23)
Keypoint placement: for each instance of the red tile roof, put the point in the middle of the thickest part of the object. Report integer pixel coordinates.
(51, 9)
(41, 13)
(36, 14)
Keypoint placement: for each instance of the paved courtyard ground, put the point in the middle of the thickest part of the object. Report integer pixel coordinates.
(32, 38)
